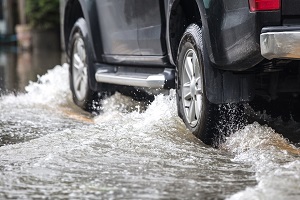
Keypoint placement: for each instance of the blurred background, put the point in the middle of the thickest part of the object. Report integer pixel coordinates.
(30, 41)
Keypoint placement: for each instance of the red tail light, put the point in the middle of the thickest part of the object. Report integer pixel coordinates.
(264, 5)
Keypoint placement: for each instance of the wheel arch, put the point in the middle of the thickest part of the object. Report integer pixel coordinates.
(73, 12)
(221, 86)
(179, 18)
(76, 9)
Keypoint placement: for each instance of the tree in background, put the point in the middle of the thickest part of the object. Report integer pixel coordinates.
(43, 14)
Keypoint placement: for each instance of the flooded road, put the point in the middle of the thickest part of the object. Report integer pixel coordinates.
(52, 150)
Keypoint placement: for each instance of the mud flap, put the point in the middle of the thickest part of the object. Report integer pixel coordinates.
(226, 86)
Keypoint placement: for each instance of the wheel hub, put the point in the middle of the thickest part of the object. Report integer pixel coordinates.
(79, 69)
(192, 87)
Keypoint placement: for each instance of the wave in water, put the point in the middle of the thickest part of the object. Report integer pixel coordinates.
(131, 134)
(275, 162)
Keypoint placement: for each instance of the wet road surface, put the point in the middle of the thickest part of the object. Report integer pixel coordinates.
(50, 149)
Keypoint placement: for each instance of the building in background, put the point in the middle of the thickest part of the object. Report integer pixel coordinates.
(8, 16)
(8, 20)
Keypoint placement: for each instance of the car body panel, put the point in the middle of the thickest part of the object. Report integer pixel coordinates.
(127, 31)
(136, 33)
(118, 26)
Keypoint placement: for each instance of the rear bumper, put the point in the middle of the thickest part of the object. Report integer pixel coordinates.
(280, 42)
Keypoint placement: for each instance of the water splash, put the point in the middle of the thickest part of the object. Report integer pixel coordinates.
(231, 118)
(274, 161)
(160, 114)
(25, 116)
(132, 152)
(51, 89)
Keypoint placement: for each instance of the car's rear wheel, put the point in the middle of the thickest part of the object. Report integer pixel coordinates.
(198, 114)
(80, 60)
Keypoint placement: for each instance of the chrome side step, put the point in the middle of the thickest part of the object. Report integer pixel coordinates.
(154, 81)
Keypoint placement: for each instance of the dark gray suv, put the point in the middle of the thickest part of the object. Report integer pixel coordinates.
(211, 51)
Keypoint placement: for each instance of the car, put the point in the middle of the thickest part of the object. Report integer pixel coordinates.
(213, 52)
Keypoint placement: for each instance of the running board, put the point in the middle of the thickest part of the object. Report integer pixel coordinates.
(155, 81)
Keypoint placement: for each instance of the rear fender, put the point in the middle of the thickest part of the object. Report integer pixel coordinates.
(221, 86)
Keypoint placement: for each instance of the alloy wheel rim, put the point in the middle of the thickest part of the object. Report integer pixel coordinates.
(192, 88)
(79, 70)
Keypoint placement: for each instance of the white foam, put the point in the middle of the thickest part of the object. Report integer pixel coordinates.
(162, 112)
(51, 89)
(126, 126)
(277, 170)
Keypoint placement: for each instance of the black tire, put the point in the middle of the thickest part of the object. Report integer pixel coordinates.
(80, 63)
(198, 114)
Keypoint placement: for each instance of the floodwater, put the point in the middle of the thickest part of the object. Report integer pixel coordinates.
(49, 149)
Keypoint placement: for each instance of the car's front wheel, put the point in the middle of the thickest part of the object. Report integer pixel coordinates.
(80, 60)
(194, 108)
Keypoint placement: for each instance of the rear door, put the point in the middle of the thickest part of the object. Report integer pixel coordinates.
(118, 24)
(150, 20)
